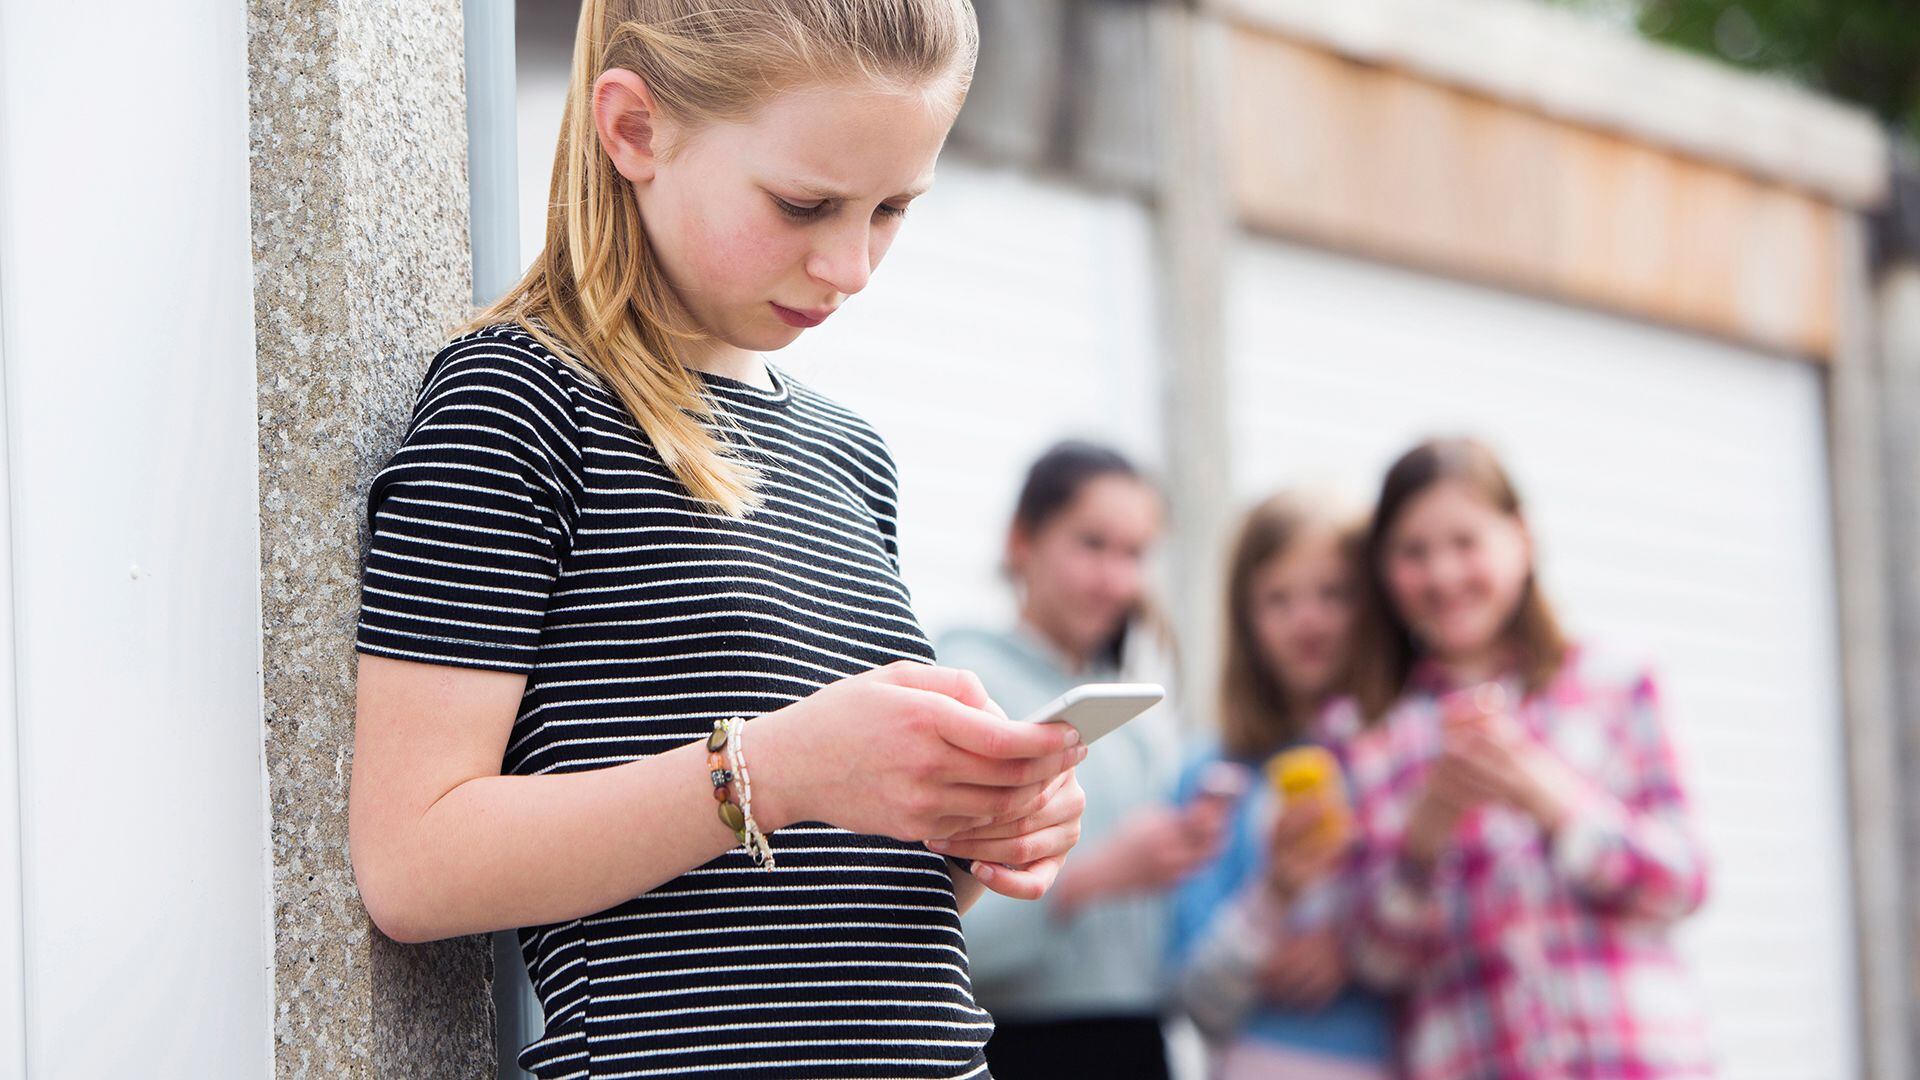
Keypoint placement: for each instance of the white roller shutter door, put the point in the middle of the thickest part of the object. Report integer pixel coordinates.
(1678, 487)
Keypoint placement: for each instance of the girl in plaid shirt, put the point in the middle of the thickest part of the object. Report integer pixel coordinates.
(1524, 843)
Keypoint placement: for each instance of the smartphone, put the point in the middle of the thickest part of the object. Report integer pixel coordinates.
(1223, 780)
(1094, 709)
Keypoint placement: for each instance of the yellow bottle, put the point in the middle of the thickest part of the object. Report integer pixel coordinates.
(1311, 772)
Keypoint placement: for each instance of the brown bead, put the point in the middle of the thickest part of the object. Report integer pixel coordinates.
(716, 762)
(717, 741)
(731, 815)
(722, 793)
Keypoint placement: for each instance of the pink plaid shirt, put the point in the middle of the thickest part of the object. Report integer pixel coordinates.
(1524, 955)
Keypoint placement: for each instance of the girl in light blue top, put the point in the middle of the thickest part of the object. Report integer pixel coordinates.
(1255, 945)
(1075, 982)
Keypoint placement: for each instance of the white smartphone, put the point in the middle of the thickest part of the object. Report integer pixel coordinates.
(1094, 709)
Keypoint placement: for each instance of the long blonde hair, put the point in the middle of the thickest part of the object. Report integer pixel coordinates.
(1257, 715)
(596, 294)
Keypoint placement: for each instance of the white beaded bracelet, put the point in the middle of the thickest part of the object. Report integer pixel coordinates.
(733, 732)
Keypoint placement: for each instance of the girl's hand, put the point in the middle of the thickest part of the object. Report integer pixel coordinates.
(1497, 757)
(1446, 797)
(1298, 853)
(1153, 849)
(910, 751)
(1305, 971)
(1022, 858)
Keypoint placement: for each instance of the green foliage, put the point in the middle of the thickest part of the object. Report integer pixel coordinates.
(1863, 51)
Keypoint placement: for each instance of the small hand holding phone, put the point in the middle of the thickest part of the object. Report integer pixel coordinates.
(1095, 709)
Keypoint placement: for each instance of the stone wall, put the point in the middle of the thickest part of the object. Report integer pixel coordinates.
(361, 266)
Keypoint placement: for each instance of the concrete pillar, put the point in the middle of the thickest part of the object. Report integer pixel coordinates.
(1868, 665)
(361, 267)
(1193, 240)
(1898, 309)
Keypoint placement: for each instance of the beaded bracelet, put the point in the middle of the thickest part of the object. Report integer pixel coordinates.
(726, 766)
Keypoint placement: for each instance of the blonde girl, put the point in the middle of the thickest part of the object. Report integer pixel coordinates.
(638, 673)
(1257, 932)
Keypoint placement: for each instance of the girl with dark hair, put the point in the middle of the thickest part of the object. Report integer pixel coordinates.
(1256, 934)
(1525, 847)
(1074, 982)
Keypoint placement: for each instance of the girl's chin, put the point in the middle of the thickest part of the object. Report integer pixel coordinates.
(766, 339)
(1461, 637)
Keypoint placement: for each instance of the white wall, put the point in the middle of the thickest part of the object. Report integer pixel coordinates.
(1678, 487)
(125, 303)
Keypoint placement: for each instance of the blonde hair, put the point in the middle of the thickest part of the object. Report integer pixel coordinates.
(1256, 712)
(596, 295)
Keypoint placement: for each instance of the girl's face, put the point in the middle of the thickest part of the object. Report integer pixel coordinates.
(1084, 570)
(1455, 569)
(1301, 609)
(764, 228)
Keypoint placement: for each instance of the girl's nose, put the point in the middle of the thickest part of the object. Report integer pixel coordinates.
(845, 262)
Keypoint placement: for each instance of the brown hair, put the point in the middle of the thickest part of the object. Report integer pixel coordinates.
(1384, 646)
(1256, 713)
(596, 295)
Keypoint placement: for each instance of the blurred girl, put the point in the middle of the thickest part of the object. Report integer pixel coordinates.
(638, 673)
(1257, 956)
(1074, 982)
(1525, 841)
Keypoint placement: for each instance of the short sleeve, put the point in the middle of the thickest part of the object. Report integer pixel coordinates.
(885, 503)
(470, 519)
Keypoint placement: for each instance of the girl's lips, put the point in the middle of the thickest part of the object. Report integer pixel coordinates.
(802, 319)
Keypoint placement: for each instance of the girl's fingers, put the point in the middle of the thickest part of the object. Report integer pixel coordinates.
(947, 828)
(980, 732)
(993, 803)
(967, 768)
(1057, 809)
(1022, 850)
(1030, 882)
(1297, 820)
(962, 686)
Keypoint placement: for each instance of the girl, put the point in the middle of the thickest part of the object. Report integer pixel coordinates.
(1256, 947)
(1074, 983)
(613, 531)
(1525, 842)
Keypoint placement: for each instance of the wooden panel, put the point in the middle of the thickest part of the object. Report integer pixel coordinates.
(1376, 161)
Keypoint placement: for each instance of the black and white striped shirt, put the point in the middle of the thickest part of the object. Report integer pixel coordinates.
(526, 524)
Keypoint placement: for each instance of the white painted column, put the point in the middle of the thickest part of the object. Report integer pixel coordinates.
(133, 523)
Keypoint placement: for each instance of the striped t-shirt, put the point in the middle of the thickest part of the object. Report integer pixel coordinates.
(526, 524)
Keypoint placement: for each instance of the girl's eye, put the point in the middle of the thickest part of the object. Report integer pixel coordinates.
(890, 210)
(802, 213)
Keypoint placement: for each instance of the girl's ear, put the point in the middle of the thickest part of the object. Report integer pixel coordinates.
(1019, 544)
(628, 123)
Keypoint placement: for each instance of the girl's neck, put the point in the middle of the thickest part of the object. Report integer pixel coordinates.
(1481, 665)
(1304, 708)
(1069, 658)
(716, 357)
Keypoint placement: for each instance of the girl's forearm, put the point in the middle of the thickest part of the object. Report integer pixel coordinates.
(498, 852)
